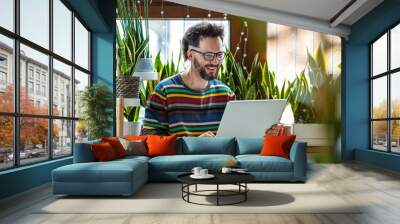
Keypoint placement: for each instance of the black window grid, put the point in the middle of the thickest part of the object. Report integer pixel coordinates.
(388, 74)
(16, 114)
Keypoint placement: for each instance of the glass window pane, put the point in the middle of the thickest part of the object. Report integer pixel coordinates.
(62, 138)
(35, 21)
(62, 29)
(379, 135)
(81, 131)
(395, 95)
(33, 140)
(395, 47)
(81, 45)
(165, 35)
(6, 142)
(7, 14)
(395, 136)
(379, 98)
(6, 74)
(62, 89)
(81, 81)
(379, 55)
(34, 72)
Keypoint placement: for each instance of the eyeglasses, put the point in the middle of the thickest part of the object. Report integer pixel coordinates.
(209, 56)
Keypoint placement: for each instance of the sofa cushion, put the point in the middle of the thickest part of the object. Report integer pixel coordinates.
(257, 163)
(112, 171)
(134, 147)
(277, 145)
(245, 145)
(116, 145)
(161, 145)
(207, 145)
(103, 152)
(83, 152)
(185, 163)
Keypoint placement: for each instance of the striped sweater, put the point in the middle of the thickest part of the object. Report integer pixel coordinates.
(174, 108)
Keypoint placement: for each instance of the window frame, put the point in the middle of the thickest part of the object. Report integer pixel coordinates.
(16, 114)
(388, 74)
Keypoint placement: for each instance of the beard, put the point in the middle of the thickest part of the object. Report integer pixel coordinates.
(202, 70)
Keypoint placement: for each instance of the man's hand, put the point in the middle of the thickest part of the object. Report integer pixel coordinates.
(207, 134)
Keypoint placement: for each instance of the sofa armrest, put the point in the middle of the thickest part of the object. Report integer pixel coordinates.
(298, 156)
(83, 152)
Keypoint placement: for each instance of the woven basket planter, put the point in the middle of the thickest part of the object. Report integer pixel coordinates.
(128, 86)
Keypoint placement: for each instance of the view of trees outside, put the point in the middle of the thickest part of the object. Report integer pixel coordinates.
(33, 131)
(380, 138)
(34, 81)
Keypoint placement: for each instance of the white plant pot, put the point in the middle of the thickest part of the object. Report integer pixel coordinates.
(314, 134)
(131, 102)
(132, 128)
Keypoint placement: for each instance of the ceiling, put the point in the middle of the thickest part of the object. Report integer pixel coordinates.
(326, 16)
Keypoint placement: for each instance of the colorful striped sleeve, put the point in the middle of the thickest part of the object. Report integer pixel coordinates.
(156, 117)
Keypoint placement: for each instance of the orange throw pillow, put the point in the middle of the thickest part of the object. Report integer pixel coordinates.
(103, 152)
(136, 137)
(161, 145)
(116, 145)
(277, 145)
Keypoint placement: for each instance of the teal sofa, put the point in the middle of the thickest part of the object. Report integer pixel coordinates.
(125, 176)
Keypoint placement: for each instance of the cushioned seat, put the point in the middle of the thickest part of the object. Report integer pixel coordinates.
(116, 177)
(166, 168)
(257, 163)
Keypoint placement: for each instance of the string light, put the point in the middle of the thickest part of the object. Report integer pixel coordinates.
(162, 9)
(243, 40)
(164, 28)
(225, 16)
(187, 12)
(140, 9)
(209, 14)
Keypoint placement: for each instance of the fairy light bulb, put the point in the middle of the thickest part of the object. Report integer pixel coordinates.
(162, 12)
(225, 16)
(209, 14)
(187, 16)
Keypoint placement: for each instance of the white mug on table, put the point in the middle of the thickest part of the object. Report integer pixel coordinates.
(203, 172)
(196, 171)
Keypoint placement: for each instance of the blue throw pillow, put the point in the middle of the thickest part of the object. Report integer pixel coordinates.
(249, 145)
(207, 145)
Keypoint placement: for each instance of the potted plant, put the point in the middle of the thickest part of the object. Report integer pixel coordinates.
(132, 126)
(132, 39)
(97, 102)
(132, 44)
(318, 118)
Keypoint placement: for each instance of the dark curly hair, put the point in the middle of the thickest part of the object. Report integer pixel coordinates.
(193, 35)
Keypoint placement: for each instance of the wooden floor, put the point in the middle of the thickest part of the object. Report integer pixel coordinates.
(378, 188)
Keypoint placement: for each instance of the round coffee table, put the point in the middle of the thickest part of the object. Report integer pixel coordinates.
(238, 179)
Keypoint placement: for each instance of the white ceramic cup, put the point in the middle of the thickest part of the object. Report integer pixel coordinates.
(226, 170)
(203, 172)
(196, 170)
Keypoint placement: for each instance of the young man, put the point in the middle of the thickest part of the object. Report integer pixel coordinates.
(191, 103)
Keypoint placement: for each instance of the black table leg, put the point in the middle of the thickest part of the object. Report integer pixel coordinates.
(245, 193)
(217, 194)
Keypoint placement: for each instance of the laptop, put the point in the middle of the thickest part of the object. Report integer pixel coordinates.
(250, 118)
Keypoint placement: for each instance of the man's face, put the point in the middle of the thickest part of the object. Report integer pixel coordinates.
(206, 68)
